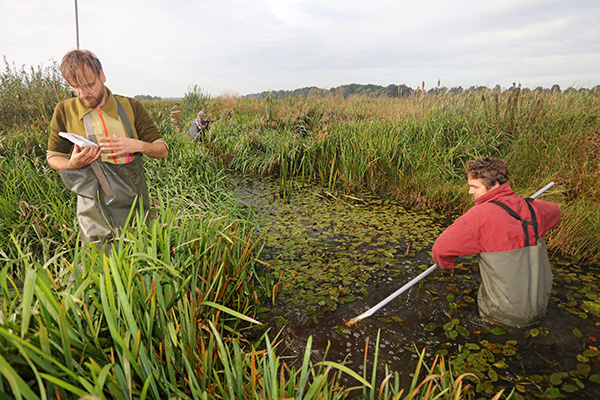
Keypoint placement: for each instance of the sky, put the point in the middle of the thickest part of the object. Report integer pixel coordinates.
(232, 47)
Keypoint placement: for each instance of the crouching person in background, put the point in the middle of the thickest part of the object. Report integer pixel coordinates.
(199, 127)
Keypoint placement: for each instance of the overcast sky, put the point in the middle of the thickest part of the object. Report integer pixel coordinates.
(163, 47)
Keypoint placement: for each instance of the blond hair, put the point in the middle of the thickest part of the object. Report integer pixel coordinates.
(72, 66)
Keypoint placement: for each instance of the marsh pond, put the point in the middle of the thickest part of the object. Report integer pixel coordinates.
(329, 258)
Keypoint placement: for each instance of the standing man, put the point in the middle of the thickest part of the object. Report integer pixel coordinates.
(108, 177)
(507, 232)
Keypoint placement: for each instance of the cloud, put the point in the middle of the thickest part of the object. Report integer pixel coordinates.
(162, 48)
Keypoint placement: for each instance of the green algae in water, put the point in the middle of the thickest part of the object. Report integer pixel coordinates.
(340, 250)
(319, 232)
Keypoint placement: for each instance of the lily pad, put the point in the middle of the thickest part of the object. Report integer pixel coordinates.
(570, 388)
(509, 352)
(498, 331)
(472, 346)
(552, 393)
(555, 379)
(485, 387)
(591, 353)
(534, 332)
(582, 358)
(585, 368)
(452, 334)
(487, 355)
(430, 326)
(464, 332)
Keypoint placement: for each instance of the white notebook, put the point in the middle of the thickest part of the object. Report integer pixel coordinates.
(77, 139)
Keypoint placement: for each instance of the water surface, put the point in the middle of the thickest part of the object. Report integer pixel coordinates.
(331, 257)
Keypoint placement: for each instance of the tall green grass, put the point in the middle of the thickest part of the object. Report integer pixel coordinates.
(28, 95)
(134, 323)
(415, 149)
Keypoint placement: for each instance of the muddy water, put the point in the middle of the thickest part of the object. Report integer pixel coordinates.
(331, 257)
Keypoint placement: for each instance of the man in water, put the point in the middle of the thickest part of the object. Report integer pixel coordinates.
(107, 176)
(507, 232)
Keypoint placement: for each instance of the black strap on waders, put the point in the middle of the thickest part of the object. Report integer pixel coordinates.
(524, 223)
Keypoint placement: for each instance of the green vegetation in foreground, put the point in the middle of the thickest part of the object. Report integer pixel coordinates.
(168, 314)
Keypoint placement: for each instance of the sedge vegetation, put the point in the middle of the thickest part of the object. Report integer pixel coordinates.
(415, 149)
(168, 314)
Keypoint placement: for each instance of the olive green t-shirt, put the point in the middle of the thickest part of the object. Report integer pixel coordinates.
(68, 117)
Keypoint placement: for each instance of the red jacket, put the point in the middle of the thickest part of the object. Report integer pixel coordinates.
(488, 228)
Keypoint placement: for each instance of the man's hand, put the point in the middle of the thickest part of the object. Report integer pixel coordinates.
(82, 157)
(79, 158)
(117, 146)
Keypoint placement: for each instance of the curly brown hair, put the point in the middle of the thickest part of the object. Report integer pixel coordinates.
(489, 170)
(73, 62)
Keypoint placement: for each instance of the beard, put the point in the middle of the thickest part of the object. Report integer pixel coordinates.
(94, 100)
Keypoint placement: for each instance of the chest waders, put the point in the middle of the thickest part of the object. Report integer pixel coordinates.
(515, 285)
(108, 195)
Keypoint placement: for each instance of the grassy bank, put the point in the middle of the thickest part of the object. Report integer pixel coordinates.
(415, 149)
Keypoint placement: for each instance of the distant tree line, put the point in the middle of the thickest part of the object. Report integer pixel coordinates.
(397, 91)
(146, 97)
(393, 91)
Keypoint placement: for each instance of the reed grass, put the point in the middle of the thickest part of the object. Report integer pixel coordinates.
(415, 149)
(28, 96)
(134, 322)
